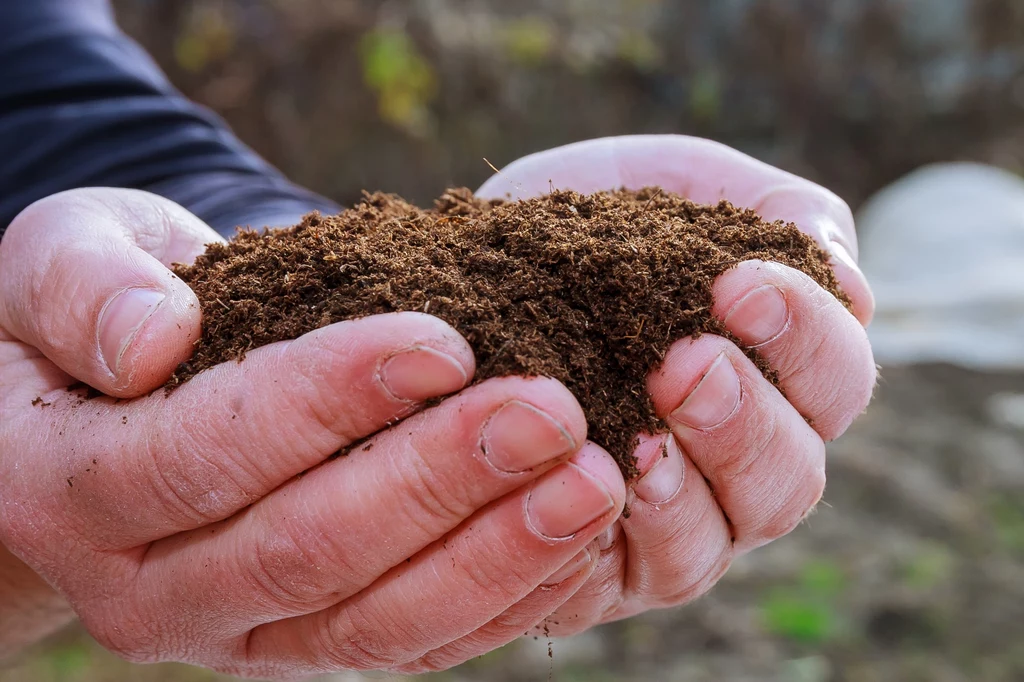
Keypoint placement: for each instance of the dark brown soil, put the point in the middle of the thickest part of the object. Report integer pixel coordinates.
(590, 290)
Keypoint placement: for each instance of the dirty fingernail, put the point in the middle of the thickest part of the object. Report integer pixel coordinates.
(759, 316)
(519, 437)
(575, 565)
(120, 321)
(714, 400)
(566, 501)
(663, 481)
(421, 373)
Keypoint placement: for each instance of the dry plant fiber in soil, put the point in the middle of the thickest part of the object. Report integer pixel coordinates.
(590, 290)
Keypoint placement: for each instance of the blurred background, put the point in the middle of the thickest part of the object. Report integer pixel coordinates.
(913, 569)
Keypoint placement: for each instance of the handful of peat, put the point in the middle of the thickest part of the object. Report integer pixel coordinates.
(590, 290)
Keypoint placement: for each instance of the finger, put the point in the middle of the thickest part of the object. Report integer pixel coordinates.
(603, 592)
(705, 172)
(822, 355)
(765, 464)
(144, 470)
(309, 546)
(678, 541)
(673, 547)
(25, 374)
(83, 278)
(459, 584)
(524, 616)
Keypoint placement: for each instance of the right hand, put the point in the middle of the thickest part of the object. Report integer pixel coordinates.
(184, 528)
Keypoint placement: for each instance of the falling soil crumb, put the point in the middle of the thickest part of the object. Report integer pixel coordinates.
(590, 290)
(551, 652)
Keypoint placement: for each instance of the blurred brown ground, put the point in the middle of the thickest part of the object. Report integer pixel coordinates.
(913, 570)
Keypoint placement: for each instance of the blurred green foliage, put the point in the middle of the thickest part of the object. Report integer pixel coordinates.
(208, 37)
(641, 51)
(928, 567)
(528, 40)
(705, 95)
(1007, 513)
(401, 76)
(68, 661)
(805, 611)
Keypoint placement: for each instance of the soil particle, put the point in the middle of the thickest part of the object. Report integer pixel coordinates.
(591, 290)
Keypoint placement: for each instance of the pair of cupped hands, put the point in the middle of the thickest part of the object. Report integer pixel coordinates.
(212, 526)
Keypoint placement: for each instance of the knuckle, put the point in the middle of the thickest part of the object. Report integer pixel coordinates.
(181, 495)
(744, 445)
(504, 582)
(856, 387)
(496, 575)
(44, 284)
(774, 483)
(191, 474)
(807, 354)
(325, 394)
(431, 498)
(282, 577)
(830, 366)
(692, 584)
(355, 643)
(292, 569)
(799, 503)
(153, 223)
(125, 636)
(53, 206)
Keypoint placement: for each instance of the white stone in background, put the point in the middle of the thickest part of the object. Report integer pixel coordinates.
(1007, 409)
(943, 249)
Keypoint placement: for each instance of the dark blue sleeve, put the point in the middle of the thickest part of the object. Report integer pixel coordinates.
(82, 105)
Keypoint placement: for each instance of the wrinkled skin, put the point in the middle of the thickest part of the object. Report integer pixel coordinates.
(183, 528)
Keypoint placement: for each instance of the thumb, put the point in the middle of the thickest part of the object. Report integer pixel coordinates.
(84, 279)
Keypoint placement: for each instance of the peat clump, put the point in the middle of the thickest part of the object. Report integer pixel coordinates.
(591, 290)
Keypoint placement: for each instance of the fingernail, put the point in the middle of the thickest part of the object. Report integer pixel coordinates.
(760, 316)
(852, 281)
(841, 254)
(663, 481)
(714, 400)
(606, 539)
(120, 321)
(421, 373)
(575, 565)
(519, 437)
(566, 501)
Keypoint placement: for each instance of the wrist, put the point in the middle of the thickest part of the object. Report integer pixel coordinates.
(29, 608)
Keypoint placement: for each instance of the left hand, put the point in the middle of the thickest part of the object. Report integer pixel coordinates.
(745, 465)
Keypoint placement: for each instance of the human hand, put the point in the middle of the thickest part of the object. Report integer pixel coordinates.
(744, 464)
(212, 526)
